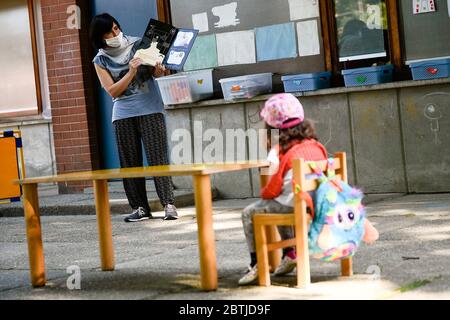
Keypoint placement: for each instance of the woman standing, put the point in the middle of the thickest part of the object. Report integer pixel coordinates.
(137, 112)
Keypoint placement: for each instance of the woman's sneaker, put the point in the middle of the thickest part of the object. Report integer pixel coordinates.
(138, 215)
(286, 266)
(250, 277)
(170, 212)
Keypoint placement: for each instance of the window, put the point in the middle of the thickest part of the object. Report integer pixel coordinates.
(19, 88)
(361, 32)
(425, 35)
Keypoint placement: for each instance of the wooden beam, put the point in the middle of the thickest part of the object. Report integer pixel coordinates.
(164, 11)
(394, 34)
(329, 35)
(326, 35)
(37, 78)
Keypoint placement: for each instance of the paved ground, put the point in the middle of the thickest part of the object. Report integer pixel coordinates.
(159, 260)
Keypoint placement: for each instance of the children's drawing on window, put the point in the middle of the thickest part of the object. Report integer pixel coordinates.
(374, 20)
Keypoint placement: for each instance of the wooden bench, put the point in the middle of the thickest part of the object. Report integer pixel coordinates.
(203, 201)
(265, 226)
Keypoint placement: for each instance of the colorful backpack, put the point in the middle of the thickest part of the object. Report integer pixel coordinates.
(337, 227)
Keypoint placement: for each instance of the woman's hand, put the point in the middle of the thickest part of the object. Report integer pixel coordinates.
(159, 70)
(134, 65)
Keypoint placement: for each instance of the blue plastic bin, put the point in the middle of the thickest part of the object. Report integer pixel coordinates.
(306, 81)
(431, 69)
(368, 76)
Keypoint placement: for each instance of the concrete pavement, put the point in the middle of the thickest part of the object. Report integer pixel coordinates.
(158, 259)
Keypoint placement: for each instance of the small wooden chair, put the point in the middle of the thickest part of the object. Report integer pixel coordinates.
(300, 220)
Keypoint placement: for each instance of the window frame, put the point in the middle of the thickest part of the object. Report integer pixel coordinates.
(329, 30)
(34, 48)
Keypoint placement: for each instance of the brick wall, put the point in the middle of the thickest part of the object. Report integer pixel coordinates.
(71, 90)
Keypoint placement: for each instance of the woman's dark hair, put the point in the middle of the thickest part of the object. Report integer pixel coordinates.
(304, 130)
(353, 27)
(100, 25)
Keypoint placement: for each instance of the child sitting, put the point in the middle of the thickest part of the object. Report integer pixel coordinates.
(297, 139)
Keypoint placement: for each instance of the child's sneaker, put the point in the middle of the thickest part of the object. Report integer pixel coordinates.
(286, 266)
(250, 277)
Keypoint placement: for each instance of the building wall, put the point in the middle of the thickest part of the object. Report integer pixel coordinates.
(395, 135)
(70, 88)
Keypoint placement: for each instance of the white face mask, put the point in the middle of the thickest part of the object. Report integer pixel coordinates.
(115, 42)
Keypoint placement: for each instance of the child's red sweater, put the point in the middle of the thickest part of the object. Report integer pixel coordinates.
(308, 149)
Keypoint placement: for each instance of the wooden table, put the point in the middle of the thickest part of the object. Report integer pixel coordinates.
(201, 174)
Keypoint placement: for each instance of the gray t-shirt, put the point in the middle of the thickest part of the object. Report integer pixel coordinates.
(141, 97)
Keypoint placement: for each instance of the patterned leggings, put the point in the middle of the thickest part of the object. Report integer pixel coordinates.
(264, 206)
(130, 133)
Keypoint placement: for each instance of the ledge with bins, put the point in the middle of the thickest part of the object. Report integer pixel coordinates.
(193, 86)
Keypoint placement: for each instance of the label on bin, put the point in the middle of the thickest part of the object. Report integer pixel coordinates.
(361, 79)
(433, 70)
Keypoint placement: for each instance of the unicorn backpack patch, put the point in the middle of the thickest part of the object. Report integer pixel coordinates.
(337, 227)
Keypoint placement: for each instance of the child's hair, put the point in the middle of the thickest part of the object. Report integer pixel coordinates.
(304, 130)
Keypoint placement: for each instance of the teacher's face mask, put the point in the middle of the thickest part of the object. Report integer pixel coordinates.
(115, 42)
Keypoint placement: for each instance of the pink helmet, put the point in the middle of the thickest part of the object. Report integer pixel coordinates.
(283, 111)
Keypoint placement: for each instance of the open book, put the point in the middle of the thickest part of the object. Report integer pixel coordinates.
(166, 44)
